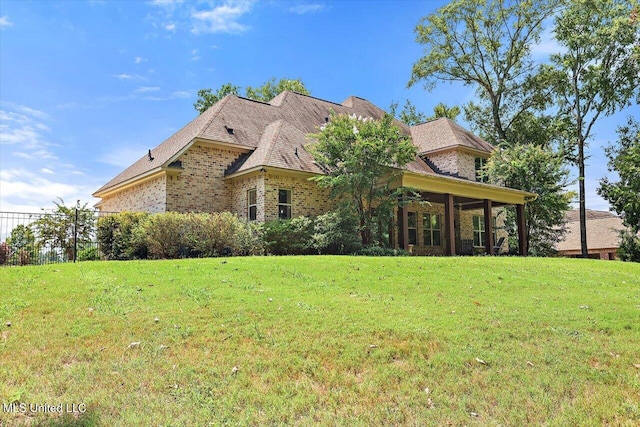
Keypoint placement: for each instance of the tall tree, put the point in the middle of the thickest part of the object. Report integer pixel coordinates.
(206, 97)
(264, 93)
(441, 110)
(624, 159)
(66, 227)
(411, 116)
(538, 170)
(362, 157)
(270, 89)
(598, 72)
(486, 44)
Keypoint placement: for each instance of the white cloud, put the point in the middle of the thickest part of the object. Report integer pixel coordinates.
(4, 22)
(147, 89)
(139, 60)
(122, 76)
(25, 191)
(195, 56)
(125, 76)
(165, 3)
(170, 26)
(47, 171)
(222, 19)
(21, 129)
(302, 9)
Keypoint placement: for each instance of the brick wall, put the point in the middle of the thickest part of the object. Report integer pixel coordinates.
(456, 162)
(201, 187)
(239, 202)
(306, 197)
(149, 196)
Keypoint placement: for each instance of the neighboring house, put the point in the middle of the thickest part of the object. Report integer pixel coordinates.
(249, 158)
(603, 235)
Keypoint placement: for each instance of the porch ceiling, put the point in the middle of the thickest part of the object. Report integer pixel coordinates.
(467, 194)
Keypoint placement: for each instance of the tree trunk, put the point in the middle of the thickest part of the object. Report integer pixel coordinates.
(583, 207)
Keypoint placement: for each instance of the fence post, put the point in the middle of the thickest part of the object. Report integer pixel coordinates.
(75, 237)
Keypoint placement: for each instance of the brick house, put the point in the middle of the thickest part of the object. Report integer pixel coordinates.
(603, 235)
(249, 158)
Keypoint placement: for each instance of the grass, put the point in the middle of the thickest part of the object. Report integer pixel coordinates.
(323, 340)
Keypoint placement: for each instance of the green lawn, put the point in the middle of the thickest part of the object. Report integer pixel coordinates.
(323, 340)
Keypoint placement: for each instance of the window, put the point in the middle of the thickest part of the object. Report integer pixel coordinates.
(284, 204)
(412, 225)
(431, 229)
(478, 231)
(252, 203)
(480, 175)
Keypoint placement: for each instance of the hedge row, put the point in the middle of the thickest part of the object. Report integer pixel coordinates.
(135, 235)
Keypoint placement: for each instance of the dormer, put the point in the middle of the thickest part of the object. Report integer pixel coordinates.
(450, 149)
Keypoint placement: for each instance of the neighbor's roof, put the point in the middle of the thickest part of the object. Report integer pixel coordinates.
(443, 133)
(282, 124)
(602, 231)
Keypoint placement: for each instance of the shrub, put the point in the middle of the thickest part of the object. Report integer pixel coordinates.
(337, 233)
(5, 253)
(120, 236)
(629, 249)
(165, 235)
(88, 254)
(289, 237)
(220, 234)
(380, 251)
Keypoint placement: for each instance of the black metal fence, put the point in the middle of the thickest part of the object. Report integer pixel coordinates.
(48, 238)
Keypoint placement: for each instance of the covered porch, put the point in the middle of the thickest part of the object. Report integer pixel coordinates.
(457, 199)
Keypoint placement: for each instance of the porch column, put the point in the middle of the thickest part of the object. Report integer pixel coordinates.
(403, 227)
(449, 225)
(488, 228)
(522, 238)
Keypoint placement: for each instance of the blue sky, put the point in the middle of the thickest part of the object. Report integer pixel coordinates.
(87, 87)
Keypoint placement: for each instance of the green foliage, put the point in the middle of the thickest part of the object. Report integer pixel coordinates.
(133, 235)
(120, 236)
(21, 237)
(541, 171)
(210, 235)
(486, 44)
(629, 249)
(22, 247)
(441, 110)
(264, 93)
(336, 233)
(206, 97)
(65, 227)
(624, 159)
(597, 74)
(362, 158)
(270, 89)
(411, 116)
(89, 254)
(289, 237)
(165, 235)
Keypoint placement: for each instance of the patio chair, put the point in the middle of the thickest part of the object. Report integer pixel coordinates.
(498, 246)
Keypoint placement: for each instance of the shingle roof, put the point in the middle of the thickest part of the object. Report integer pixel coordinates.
(249, 120)
(444, 133)
(602, 231)
(281, 146)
